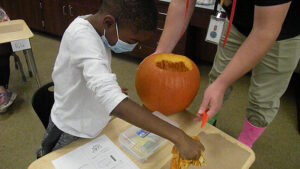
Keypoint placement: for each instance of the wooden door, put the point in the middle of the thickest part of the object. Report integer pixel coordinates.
(55, 16)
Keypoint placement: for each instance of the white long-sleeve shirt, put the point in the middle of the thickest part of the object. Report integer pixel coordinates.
(85, 89)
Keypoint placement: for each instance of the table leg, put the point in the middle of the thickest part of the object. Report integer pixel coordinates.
(28, 63)
(19, 65)
(34, 69)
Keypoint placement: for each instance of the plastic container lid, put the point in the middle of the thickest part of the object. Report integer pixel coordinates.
(141, 143)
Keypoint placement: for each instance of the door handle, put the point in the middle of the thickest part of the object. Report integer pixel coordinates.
(162, 13)
(160, 29)
(70, 10)
(64, 10)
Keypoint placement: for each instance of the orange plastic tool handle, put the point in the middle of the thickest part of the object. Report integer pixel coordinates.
(204, 117)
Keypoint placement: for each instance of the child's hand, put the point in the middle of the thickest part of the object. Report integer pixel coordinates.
(189, 149)
(124, 90)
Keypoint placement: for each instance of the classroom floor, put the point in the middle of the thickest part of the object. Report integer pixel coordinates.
(21, 130)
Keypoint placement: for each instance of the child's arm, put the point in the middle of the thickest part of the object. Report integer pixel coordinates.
(141, 117)
(91, 59)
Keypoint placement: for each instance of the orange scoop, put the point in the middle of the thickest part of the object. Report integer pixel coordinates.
(204, 117)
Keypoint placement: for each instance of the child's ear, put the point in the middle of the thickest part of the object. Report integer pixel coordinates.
(108, 22)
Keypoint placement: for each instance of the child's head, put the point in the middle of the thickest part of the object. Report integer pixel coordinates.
(133, 20)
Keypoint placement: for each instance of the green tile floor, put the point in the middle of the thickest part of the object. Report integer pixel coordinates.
(21, 130)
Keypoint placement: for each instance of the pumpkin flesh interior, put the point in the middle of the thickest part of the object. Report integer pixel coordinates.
(173, 63)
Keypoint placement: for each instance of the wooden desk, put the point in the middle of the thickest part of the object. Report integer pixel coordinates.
(162, 156)
(14, 30)
(18, 30)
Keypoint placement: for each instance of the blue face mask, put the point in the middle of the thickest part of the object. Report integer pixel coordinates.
(120, 46)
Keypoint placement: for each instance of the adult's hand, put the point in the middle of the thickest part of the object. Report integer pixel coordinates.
(212, 99)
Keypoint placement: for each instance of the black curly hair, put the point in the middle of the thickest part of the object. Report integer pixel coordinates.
(139, 14)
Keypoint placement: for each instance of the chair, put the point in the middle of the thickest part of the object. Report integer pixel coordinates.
(42, 102)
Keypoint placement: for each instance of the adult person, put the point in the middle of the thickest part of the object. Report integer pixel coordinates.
(264, 38)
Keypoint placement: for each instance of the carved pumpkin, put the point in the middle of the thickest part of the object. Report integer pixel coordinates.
(167, 82)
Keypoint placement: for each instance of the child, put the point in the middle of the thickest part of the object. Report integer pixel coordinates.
(6, 97)
(87, 93)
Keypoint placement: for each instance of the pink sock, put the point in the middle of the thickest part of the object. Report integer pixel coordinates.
(250, 133)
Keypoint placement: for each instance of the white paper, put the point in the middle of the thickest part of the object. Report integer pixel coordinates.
(20, 45)
(100, 153)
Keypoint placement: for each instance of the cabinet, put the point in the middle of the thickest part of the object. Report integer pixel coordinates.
(51, 16)
(78, 8)
(55, 16)
(29, 10)
(58, 14)
(146, 48)
(34, 17)
(11, 8)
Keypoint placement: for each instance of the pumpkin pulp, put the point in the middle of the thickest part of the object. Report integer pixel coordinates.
(173, 63)
(172, 66)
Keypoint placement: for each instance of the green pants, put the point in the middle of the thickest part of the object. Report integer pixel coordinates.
(269, 78)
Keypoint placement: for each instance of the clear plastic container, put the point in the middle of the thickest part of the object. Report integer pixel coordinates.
(140, 143)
